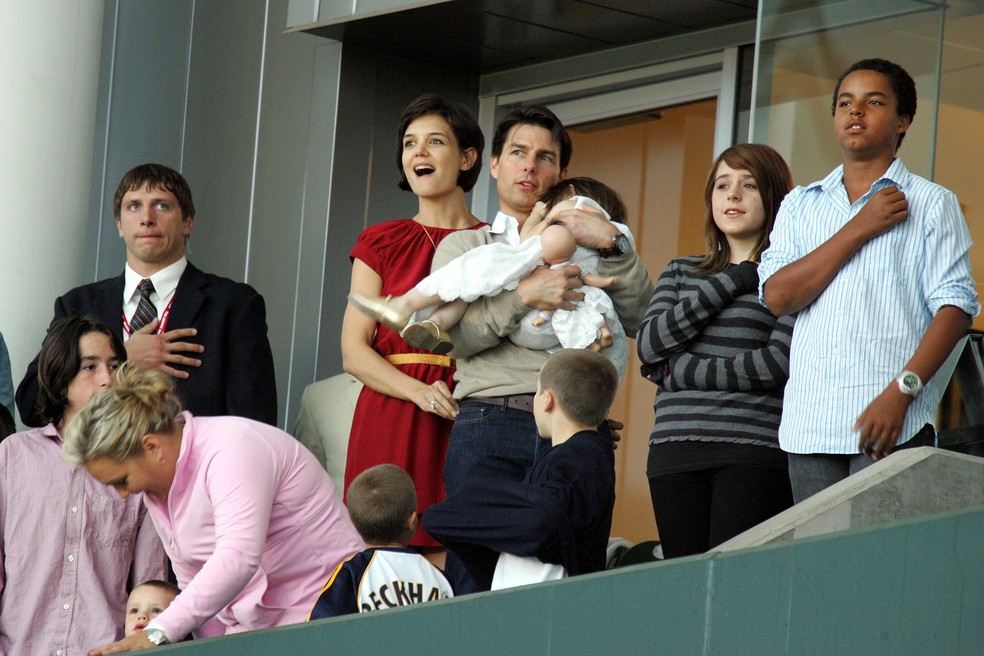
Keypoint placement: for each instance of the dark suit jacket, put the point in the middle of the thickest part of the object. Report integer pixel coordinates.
(236, 376)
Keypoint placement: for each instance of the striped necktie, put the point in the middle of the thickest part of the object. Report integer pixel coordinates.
(146, 312)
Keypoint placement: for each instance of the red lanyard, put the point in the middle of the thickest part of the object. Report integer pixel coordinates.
(160, 327)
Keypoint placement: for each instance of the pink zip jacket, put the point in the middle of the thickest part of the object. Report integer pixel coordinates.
(253, 527)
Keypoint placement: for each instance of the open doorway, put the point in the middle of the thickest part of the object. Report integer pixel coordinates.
(658, 161)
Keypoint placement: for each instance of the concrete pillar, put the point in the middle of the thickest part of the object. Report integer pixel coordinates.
(49, 83)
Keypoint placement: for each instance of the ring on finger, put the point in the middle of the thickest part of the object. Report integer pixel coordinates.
(433, 404)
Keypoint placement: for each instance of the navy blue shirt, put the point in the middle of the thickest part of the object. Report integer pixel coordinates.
(561, 513)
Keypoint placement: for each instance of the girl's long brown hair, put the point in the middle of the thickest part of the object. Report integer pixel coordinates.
(774, 181)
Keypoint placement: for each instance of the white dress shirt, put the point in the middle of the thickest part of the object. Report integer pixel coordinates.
(165, 283)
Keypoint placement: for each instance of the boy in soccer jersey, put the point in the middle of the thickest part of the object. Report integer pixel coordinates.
(556, 522)
(387, 574)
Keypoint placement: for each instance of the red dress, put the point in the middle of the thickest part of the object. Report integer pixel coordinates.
(386, 429)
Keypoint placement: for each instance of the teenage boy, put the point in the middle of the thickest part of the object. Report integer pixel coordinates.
(69, 546)
(383, 505)
(494, 436)
(873, 259)
(557, 521)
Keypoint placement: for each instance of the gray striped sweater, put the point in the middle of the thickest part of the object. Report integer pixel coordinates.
(720, 359)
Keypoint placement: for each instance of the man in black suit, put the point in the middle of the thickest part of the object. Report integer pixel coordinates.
(208, 332)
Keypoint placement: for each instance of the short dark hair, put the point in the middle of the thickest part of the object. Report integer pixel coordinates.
(591, 188)
(774, 181)
(466, 132)
(903, 86)
(534, 115)
(380, 501)
(155, 176)
(60, 359)
(584, 382)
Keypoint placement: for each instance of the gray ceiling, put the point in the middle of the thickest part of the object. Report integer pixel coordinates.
(488, 35)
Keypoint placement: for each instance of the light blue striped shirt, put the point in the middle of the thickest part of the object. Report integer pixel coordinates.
(856, 337)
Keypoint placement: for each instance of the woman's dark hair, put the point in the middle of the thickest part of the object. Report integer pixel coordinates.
(902, 85)
(60, 359)
(774, 181)
(463, 124)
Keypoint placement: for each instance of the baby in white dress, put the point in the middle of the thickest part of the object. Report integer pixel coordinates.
(491, 268)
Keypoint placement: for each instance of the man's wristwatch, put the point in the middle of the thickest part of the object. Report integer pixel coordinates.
(157, 636)
(620, 246)
(910, 383)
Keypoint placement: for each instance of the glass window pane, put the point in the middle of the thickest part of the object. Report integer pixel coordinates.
(960, 135)
(804, 46)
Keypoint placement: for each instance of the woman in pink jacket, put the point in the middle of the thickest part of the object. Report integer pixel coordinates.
(250, 520)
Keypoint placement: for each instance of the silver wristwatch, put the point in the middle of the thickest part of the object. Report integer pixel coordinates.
(910, 383)
(620, 246)
(156, 636)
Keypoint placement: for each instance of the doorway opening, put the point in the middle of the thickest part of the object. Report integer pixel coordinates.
(657, 161)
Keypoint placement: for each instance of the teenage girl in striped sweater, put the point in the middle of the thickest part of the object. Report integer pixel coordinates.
(720, 360)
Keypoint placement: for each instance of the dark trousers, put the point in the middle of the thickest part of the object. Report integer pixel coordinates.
(810, 473)
(489, 443)
(696, 511)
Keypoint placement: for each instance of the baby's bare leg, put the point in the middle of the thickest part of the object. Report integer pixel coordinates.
(534, 224)
(447, 315)
(414, 301)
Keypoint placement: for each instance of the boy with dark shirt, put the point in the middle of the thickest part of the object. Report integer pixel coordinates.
(557, 521)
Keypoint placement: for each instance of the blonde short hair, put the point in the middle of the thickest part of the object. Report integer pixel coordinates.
(113, 424)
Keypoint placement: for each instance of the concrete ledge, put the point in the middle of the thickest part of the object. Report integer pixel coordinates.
(910, 587)
(905, 485)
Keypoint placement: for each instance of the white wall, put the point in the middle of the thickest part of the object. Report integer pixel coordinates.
(49, 79)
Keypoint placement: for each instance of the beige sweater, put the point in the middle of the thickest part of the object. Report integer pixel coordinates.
(489, 364)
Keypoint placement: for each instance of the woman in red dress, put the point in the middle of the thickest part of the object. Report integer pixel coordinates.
(406, 408)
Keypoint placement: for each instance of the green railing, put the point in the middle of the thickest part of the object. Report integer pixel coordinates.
(912, 587)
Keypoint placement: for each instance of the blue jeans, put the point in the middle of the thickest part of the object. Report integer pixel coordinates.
(488, 444)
